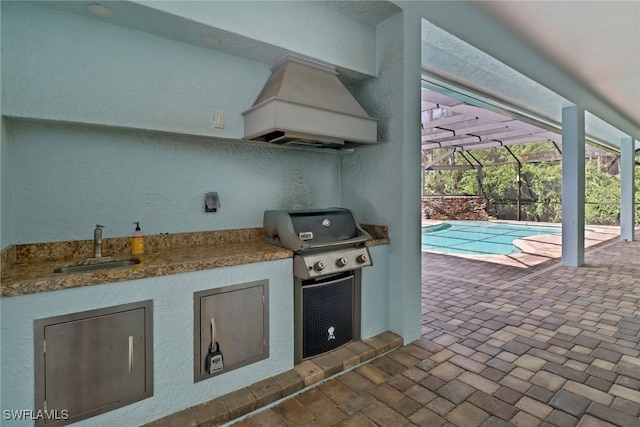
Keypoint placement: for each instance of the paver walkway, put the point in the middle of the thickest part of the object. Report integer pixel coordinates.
(501, 345)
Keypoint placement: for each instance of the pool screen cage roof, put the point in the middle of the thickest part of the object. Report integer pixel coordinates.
(451, 126)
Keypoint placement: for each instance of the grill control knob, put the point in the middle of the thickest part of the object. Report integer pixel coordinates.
(341, 262)
(362, 258)
(319, 266)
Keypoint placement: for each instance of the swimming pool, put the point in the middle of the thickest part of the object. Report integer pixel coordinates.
(478, 237)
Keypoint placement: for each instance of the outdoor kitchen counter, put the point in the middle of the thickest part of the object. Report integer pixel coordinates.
(28, 269)
(38, 276)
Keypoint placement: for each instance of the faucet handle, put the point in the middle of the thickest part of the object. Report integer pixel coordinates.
(99, 226)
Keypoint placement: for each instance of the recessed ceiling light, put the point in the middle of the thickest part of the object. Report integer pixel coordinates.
(210, 40)
(99, 10)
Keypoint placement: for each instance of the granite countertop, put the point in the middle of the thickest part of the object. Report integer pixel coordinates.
(28, 269)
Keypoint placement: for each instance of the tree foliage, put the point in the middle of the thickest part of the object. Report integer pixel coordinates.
(540, 182)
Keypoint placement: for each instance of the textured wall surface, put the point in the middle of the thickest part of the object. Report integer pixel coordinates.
(375, 293)
(172, 296)
(310, 27)
(5, 217)
(110, 125)
(82, 70)
(382, 182)
(66, 179)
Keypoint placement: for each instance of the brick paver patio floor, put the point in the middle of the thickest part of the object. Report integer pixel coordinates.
(546, 346)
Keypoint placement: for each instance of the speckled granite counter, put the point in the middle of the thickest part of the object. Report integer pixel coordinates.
(28, 269)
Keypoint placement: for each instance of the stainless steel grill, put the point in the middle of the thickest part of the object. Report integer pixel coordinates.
(325, 241)
(330, 252)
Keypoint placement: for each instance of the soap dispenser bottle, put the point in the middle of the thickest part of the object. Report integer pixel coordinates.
(137, 241)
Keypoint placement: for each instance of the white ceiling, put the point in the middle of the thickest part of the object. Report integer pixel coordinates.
(580, 39)
(595, 42)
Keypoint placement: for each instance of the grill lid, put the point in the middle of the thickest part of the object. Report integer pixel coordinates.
(304, 230)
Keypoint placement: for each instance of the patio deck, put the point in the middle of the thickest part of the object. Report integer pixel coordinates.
(502, 345)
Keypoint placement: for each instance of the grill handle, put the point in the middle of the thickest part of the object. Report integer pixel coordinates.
(347, 242)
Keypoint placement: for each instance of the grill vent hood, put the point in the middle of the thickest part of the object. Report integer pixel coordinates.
(303, 102)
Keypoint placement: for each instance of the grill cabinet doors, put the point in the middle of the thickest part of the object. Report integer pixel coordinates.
(327, 316)
(327, 313)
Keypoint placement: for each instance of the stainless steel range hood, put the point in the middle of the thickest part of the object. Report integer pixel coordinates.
(303, 102)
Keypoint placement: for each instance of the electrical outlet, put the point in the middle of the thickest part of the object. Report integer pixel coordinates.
(218, 119)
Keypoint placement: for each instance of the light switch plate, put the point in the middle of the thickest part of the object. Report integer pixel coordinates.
(218, 119)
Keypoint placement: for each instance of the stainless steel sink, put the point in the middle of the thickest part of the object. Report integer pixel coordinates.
(74, 268)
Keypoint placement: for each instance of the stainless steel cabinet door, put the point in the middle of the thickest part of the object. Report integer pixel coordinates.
(96, 363)
(241, 318)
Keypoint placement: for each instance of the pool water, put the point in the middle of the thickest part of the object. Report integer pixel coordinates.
(478, 237)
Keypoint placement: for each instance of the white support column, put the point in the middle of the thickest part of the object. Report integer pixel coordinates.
(627, 189)
(573, 153)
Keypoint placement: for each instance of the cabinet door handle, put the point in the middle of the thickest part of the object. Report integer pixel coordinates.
(130, 354)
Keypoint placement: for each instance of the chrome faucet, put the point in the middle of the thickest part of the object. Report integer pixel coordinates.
(97, 241)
